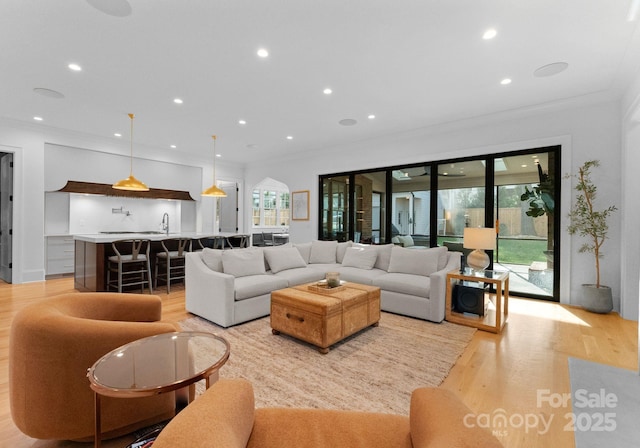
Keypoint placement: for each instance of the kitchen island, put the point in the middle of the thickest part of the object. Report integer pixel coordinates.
(93, 250)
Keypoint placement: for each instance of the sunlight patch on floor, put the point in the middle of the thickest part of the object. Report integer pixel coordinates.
(544, 310)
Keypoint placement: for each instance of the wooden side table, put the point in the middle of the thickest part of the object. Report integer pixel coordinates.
(496, 312)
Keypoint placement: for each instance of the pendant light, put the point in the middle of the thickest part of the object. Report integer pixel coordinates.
(130, 183)
(213, 190)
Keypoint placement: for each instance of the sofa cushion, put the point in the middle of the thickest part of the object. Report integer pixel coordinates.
(418, 262)
(256, 285)
(299, 276)
(243, 262)
(341, 249)
(304, 249)
(415, 285)
(325, 267)
(362, 276)
(384, 256)
(360, 257)
(323, 251)
(281, 259)
(212, 258)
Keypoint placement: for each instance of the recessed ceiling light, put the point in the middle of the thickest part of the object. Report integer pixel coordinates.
(489, 34)
(289, 137)
(37, 118)
(505, 81)
(550, 69)
(263, 53)
(242, 122)
(178, 101)
(371, 117)
(327, 91)
(218, 155)
(172, 146)
(48, 93)
(524, 165)
(75, 67)
(348, 122)
(117, 134)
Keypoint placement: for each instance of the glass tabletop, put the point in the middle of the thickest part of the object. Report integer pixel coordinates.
(158, 363)
(485, 274)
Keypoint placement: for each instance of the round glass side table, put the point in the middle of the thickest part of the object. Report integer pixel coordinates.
(156, 364)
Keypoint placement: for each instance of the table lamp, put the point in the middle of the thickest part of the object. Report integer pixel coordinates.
(480, 239)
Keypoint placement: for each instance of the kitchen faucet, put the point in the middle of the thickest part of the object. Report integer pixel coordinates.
(165, 222)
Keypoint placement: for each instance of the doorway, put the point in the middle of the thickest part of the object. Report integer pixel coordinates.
(6, 216)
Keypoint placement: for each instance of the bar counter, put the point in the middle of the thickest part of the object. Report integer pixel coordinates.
(93, 250)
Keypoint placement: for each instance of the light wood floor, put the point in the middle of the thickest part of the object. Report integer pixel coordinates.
(496, 375)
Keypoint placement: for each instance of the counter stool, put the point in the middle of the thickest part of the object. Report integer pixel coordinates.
(197, 245)
(267, 238)
(130, 265)
(170, 261)
(239, 241)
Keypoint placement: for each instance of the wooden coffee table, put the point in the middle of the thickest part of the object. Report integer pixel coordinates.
(323, 317)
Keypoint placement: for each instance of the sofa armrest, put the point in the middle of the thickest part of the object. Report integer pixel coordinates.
(209, 294)
(437, 295)
(438, 419)
(221, 417)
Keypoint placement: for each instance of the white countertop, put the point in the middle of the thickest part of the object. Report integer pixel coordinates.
(110, 237)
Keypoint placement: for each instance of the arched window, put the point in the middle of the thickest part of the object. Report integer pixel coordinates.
(271, 204)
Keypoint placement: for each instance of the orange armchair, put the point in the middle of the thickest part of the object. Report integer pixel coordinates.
(53, 343)
(225, 417)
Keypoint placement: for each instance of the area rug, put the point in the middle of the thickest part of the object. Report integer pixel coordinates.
(606, 404)
(374, 370)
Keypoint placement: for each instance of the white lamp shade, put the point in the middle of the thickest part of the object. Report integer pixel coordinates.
(479, 238)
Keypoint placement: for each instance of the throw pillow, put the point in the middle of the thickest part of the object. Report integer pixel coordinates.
(243, 262)
(278, 247)
(340, 250)
(304, 249)
(384, 256)
(212, 258)
(323, 252)
(410, 261)
(281, 259)
(360, 257)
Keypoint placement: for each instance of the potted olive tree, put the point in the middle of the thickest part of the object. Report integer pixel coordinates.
(591, 224)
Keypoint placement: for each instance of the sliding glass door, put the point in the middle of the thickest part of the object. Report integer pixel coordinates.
(524, 207)
(515, 192)
(461, 199)
(335, 208)
(411, 205)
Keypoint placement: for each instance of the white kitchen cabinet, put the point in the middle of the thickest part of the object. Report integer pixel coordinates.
(60, 254)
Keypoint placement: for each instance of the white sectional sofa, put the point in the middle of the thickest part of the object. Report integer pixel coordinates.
(229, 287)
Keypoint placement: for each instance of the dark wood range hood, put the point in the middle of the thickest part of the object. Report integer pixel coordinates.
(73, 186)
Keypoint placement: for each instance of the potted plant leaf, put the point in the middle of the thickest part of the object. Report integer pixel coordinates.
(591, 224)
(541, 202)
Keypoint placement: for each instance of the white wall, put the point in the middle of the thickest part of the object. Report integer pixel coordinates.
(28, 142)
(630, 212)
(588, 128)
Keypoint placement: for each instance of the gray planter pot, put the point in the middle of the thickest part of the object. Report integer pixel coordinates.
(597, 300)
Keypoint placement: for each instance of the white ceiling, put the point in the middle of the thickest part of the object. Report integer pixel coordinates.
(412, 63)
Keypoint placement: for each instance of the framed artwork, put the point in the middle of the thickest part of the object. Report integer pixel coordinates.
(300, 205)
